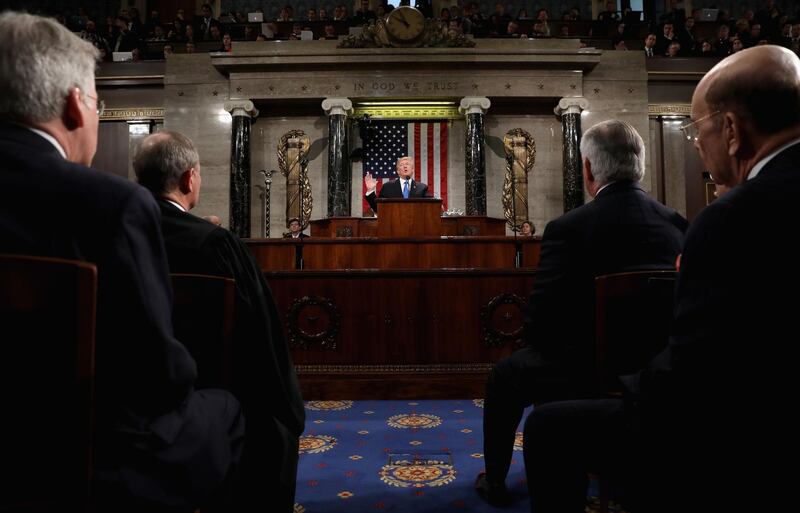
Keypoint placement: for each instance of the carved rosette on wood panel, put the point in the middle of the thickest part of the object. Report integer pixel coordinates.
(293, 162)
(503, 320)
(520, 150)
(313, 321)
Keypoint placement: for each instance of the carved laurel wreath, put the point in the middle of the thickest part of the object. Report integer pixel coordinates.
(530, 145)
(305, 144)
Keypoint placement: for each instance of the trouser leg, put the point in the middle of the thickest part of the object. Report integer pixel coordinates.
(566, 440)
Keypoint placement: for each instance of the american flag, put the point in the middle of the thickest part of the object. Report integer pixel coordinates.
(423, 141)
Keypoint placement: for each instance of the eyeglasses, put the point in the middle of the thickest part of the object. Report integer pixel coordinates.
(101, 105)
(690, 128)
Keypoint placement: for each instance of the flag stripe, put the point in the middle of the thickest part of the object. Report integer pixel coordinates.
(443, 162)
(431, 153)
(435, 173)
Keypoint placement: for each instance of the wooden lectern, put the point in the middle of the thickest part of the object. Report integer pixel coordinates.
(412, 217)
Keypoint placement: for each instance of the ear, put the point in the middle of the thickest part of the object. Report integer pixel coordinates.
(186, 184)
(588, 177)
(733, 133)
(74, 115)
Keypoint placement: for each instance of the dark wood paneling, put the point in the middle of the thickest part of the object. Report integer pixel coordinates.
(370, 333)
(372, 253)
(112, 148)
(412, 217)
(368, 226)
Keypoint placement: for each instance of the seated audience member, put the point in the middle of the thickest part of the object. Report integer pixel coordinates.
(189, 34)
(685, 438)
(623, 228)
(722, 45)
(285, 14)
(330, 32)
(158, 443)
(650, 46)
(686, 37)
(227, 45)
(214, 33)
(263, 375)
(674, 49)
(512, 30)
(168, 50)
(666, 38)
(610, 14)
(539, 29)
(527, 229)
(190, 47)
(295, 230)
(543, 17)
(204, 22)
(404, 187)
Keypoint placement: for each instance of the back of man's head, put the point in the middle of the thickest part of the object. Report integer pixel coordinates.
(615, 150)
(772, 101)
(40, 62)
(161, 160)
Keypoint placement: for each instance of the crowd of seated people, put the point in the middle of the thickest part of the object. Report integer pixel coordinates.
(676, 33)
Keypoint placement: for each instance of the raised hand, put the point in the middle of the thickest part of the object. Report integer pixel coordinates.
(370, 183)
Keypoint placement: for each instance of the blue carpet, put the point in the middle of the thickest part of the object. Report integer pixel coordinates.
(363, 456)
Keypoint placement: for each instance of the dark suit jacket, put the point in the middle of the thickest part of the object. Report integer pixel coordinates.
(144, 377)
(266, 382)
(393, 190)
(734, 340)
(623, 228)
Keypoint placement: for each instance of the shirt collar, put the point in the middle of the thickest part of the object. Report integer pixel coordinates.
(49, 138)
(763, 162)
(603, 187)
(176, 204)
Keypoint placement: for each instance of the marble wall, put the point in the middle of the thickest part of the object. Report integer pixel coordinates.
(196, 86)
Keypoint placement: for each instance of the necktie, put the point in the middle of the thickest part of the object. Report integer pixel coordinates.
(405, 189)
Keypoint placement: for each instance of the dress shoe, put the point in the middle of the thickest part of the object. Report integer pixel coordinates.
(494, 494)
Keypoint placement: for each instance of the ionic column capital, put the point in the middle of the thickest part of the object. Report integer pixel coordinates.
(474, 105)
(333, 106)
(571, 105)
(241, 108)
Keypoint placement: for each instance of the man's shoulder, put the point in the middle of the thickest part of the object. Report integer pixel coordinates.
(188, 226)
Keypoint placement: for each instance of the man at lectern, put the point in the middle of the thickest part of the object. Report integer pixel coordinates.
(404, 187)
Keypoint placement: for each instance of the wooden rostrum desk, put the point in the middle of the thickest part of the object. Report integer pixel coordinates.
(396, 318)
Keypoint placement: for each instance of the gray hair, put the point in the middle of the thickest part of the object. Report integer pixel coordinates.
(616, 151)
(40, 62)
(161, 160)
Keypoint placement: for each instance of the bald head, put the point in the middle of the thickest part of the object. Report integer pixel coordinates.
(771, 102)
(162, 159)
